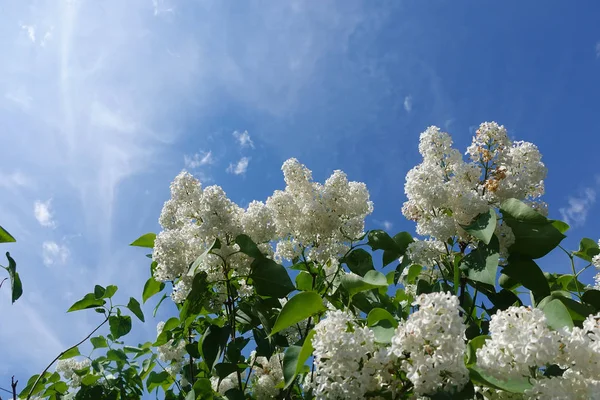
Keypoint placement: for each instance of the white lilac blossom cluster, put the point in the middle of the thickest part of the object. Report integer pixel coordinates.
(445, 191)
(596, 263)
(429, 348)
(267, 376)
(318, 218)
(306, 218)
(68, 370)
(173, 352)
(521, 344)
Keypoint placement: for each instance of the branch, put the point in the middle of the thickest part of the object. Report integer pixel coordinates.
(13, 385)
(60, 355)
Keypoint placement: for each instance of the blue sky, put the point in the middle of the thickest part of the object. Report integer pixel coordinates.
(103, 103)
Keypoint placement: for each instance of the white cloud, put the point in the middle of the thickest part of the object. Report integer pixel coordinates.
(30, 29)
(387, 225)
(198, 160)
(43, 213)
(576, 212)
(408, 103)
(54, 253)
(240, 167)
(14, 180)
(243, 139)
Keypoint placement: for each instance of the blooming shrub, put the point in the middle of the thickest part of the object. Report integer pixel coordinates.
(441, 317)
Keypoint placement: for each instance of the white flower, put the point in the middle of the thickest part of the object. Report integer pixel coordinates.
(172, 352)
(431, 345)
(570, 386)
(347, 361)
(67, 369)
(267, 375)
(520, 339)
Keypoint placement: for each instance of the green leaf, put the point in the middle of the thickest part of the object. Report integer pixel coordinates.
(290, 362)
(304, 281)
(99, 342)
(474, 344)
(156, 380)
(354, 283)
(526, 272)
(116, 355)
(535, 235)
(400, 268)
(481, 264)
(560, 225)
(306, 351)
(88, 301)
(196, 298)
(248, 247)
(216, 244)
(151, 288)
(99, 291)
(298, 308)
(6, 237)
(110, 291)
(164, 296)
(380, 240)
(382, 323)
(557, 315)
(512, 386)
(70, 353)
(483, 226)
(592, 297)
(120, 325)
(89, 380)
(213, 344)
(234, 394)
(270, 278)
(15, 281)
(134, 307)
(359, 261)
(588, 248)
(146, 240)
(402, 240)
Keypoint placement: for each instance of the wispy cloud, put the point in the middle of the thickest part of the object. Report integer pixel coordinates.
(240, 167)
(577, 211)
(598, 50)
(408, 103)
(43, 213)
(30, 29)
(243, 139)
(54, 253)
(14, 180)
(198, 160)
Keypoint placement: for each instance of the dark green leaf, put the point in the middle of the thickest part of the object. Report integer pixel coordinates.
(270, 278)
(402, 240)
(151, 288)
(120, 325)
(248, 247)
(196, 298)
(380, 240)
(146, 240)
(512, 386)
(234, 394)
(483, 226)
(592, 297)
(99, 291)
(481, 264)
(116, 355)
(164, 296)
(15, 281)
(156, 380)
(6, 237)
(535, 235)
(527, 272)
(359, 261)
(134, 307)
(290, 362)
(213, 344)
(588, 248)
(298, 308)
(88, 301)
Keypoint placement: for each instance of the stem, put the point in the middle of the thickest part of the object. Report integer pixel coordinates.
(473, 305)
(575, 276)
(191, 361)
(60, 355)
(13, 385)
(2, 282)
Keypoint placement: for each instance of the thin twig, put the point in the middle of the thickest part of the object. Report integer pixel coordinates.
(13, 385)
(60, 355)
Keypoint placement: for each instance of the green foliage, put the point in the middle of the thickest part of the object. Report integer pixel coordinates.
(146, 241)
(298, 308)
